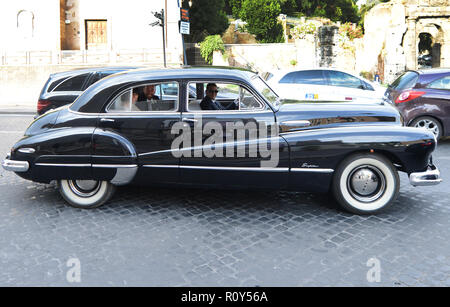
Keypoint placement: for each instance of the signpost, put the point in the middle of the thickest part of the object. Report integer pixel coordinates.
(185, 27)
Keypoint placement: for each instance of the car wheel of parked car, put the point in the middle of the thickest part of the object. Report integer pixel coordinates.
(366, 184)
(429, 123)
(86, 194)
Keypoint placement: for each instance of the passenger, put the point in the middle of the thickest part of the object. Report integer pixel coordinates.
(210, 103)
(124, 103)
(149, 92)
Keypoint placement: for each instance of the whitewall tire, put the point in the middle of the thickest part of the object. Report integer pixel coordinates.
(86, 194)
(366, 184)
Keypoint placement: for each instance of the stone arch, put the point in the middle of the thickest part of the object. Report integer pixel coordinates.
(25, 24)
(434, 28)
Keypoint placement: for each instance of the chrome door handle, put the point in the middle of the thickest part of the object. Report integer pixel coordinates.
(107, 120)
(297, 123)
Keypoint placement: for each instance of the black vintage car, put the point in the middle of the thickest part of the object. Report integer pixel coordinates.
(105, 139)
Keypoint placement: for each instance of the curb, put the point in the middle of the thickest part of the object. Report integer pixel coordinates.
(16, 112)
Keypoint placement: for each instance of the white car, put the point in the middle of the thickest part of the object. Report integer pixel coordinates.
(325, 85)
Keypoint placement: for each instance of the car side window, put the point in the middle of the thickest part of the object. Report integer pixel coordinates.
(314, 77)
(226, 97)
(289, 78)
(440, 84)
(305, 77)
(74, 84)
(162, 97)
(341, 79)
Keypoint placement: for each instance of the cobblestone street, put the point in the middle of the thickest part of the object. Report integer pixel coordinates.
(182, 237)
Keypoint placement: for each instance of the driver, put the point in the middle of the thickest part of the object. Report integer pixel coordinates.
(210, 103)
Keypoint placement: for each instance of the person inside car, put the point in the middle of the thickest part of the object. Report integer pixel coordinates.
(210, 103)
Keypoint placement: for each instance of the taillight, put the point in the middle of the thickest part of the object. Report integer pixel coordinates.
(408, 96)
(42, 105)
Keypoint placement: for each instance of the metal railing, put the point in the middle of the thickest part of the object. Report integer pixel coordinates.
(70, 57)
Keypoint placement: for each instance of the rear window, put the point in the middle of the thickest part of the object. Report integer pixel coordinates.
(72, 84)
(405, 81)
(304, 77)
(55, 84)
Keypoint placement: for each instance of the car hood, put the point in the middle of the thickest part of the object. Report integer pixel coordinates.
(328, 115)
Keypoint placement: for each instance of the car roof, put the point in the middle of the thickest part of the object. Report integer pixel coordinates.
(81, 71)
(121, 79)
(434, 71)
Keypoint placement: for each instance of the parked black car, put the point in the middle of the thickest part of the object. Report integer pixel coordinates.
(423, 98)
(64, 87)
(425, 60)
(102, 140)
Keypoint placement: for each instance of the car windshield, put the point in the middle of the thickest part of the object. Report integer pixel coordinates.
(266, 91)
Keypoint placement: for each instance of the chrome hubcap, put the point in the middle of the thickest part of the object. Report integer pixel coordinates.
(84, 188)
(429, 125)
(366, 184)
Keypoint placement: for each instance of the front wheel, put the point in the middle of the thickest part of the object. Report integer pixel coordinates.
(86, 194)
(366, 184)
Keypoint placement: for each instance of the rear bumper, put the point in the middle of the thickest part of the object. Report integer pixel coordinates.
(15, 166)
(428, 178)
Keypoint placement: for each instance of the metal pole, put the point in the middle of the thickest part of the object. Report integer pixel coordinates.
(184, 51)
(164, 37)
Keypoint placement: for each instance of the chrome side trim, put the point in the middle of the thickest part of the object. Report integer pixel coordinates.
(68, 165)
(428, 178)
(313, 170)
(161, 166)
(113, 166)
(15, 166)
(222, 168)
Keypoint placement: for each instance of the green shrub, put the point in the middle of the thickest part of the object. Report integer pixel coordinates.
(209, 45)
(262, 20)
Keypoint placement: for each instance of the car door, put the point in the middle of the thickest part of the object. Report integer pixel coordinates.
(243, 138)
(309, 85)
(148, 130)
(437, 97)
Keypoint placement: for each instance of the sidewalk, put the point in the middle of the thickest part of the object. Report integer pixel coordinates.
(28, 108)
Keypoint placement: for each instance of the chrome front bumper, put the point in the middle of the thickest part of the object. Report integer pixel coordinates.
(15, 166)
(431, 177)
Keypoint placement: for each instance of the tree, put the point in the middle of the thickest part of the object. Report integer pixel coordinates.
(336, 10)
(262, 20)
(235, 6)
(208, 17)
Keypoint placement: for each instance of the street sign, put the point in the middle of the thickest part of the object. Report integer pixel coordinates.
(184, 15)
(185, 27)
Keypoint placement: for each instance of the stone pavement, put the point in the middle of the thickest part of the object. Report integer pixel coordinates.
(181, 237)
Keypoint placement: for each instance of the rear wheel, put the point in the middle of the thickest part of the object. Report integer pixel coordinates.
(430, 124)
(366, 184)
(86, 194)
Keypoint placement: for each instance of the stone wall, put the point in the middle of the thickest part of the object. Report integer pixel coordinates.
(392, 35)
